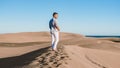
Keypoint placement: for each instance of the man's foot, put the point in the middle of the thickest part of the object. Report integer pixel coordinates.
(54, 50)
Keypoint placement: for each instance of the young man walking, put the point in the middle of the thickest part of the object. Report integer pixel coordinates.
(54, 31)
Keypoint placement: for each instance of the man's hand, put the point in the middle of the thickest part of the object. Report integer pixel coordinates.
(56, 26)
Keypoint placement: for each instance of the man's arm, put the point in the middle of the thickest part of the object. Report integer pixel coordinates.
(56, 26)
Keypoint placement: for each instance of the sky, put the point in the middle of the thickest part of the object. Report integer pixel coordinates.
(88, 17)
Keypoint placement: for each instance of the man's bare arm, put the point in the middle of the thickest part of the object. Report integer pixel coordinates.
(57, 27)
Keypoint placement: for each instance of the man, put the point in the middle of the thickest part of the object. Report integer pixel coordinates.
(54, 30)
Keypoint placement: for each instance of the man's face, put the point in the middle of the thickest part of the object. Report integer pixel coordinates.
(56, 16)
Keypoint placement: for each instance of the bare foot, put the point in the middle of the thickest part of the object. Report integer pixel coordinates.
(54, 50)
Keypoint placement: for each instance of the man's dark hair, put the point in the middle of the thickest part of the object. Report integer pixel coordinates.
(55, 13)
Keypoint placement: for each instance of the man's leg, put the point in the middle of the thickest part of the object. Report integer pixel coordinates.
(56, 40)
(53, 39)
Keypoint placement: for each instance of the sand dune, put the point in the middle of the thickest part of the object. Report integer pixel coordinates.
(15, 51)
(32, 50)
(32, 37)
(111, 39)
(91, 58)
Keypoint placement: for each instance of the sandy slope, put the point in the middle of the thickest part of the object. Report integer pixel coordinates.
(91, 58)
(16, 51)
(33, 37)
(31, 50)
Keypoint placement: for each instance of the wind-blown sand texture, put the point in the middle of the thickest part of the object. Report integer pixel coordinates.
(32, 50)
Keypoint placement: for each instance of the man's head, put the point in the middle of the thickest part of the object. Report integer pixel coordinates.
(55, 15)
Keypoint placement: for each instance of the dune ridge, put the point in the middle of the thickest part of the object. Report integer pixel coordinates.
(32, 50)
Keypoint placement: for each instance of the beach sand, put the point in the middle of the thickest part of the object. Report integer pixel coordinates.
(32, 50)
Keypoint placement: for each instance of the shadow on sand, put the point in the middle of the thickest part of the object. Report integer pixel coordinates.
(18, 61)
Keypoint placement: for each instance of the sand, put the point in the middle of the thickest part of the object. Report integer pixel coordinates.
(91, 58)
(32, 50)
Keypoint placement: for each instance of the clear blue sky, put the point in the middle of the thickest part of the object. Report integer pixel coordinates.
(88, 17)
